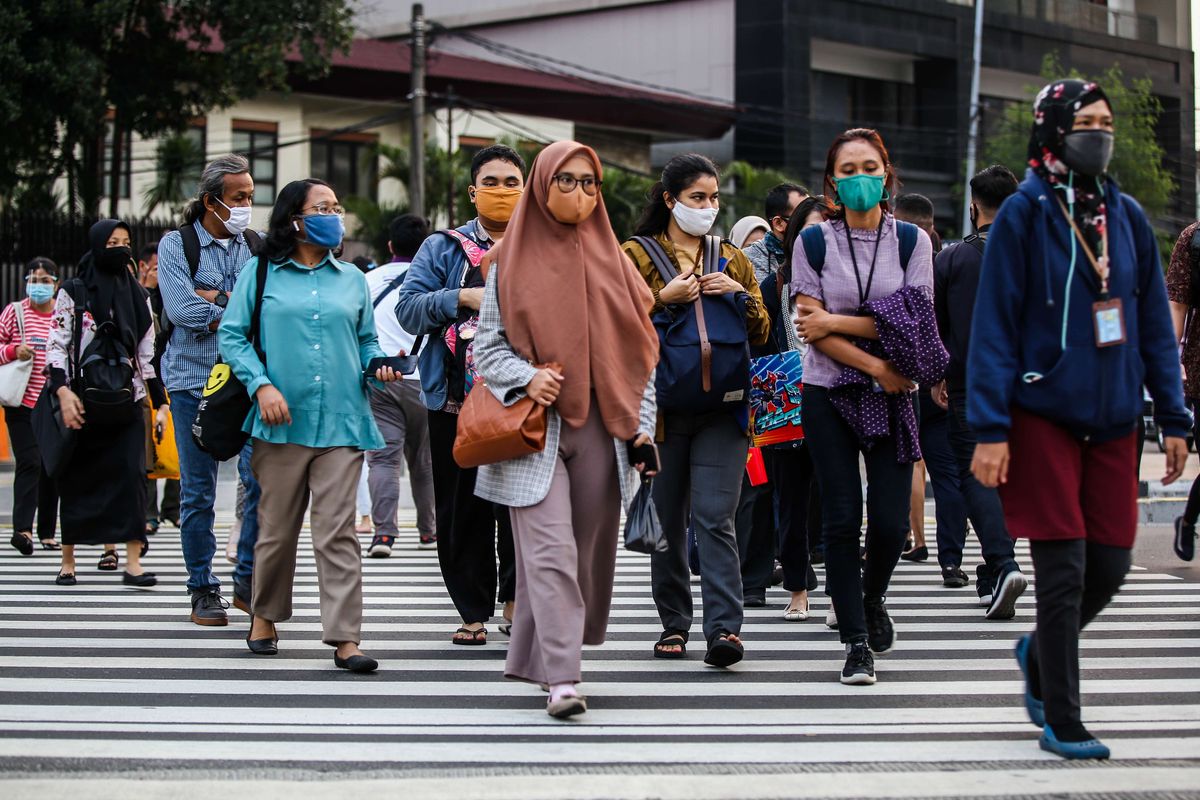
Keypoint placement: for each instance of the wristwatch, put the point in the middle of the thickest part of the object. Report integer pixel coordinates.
(221, 300)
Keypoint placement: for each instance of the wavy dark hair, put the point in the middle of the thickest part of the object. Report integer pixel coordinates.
(281, 235)
(891, 181)
(679, 173)
(816, 202)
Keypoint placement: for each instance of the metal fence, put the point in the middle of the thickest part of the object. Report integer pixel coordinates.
(55, 236)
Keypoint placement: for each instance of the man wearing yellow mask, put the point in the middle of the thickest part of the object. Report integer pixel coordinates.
(439, 301)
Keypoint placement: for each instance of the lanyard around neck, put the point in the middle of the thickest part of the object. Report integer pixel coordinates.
(863, 295)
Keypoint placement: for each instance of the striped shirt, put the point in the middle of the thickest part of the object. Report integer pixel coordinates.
(192, 350)
(37, 336)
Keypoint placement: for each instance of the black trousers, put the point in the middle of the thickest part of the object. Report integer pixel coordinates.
(950, 507)
(835, 450)
(471, 532)
(755, 526)
(33, 489)
(983, 504)
(1075, 580)
(170, 501)
(1192, 510)
(792, 476)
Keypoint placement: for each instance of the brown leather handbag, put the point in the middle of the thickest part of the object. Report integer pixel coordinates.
(490, 432)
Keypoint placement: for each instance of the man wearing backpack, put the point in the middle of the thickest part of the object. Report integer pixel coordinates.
(955, 284)
(440, 299)
(198, 266)
(1183, 290)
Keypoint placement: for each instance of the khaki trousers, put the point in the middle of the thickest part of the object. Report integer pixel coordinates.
(289, 474)
(566, 549)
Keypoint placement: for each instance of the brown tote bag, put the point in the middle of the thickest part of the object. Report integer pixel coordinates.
(490, 432)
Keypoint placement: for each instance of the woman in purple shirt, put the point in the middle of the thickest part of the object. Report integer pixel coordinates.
(862, 262)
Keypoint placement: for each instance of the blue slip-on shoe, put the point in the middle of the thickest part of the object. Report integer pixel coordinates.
(1035, 707)
(1092, 748)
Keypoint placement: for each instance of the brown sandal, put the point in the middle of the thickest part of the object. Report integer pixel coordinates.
(466, 636)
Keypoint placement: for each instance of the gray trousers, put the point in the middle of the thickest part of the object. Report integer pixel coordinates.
(703, 457)
(566, 555)
(404, 424)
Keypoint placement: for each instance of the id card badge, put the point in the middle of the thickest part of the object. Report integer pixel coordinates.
(1109, 319)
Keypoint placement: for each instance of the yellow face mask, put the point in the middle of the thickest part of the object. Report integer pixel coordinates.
(496, 203)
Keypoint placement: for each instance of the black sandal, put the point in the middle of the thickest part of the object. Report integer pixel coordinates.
(723, 652)
(671, 639)
(476, 637)
(51, 544)
(108, 561)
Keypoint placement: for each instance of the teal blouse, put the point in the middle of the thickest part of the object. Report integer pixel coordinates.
(318, 334)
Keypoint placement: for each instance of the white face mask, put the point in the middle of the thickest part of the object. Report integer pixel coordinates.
(239, 218)
(694, 221)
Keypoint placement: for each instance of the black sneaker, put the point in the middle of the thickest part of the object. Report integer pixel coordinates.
(954, 578)
(754, 600)
(860, 666)
(381, 546)
(208, 608)
(881, 634)
(427, 542)
(1004, 598)
(984, 586)
(1185, 539)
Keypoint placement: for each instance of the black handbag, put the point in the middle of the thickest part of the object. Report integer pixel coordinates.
(224, 403)
(643, 531)
(56, 442)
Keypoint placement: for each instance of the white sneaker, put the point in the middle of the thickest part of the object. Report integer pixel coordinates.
(831, 618)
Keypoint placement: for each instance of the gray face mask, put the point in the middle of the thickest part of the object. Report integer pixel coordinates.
(1088, 152)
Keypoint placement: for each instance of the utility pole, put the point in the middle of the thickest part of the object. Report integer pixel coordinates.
(450, 155)
(973, 130)
(416, 149)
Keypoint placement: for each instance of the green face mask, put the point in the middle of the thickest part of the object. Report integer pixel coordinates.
(860, 192)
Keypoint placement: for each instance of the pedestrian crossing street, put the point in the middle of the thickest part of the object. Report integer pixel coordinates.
(101, 672)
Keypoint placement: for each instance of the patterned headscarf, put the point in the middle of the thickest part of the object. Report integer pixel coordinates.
(1053, 118)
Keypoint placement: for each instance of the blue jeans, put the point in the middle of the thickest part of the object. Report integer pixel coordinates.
(249, 535)
(197, 500)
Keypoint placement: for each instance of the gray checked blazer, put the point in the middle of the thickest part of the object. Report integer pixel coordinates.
(525, 481)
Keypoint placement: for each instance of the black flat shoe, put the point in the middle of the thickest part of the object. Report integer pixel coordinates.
(51, 544)
(356, 663)
(263, 647)
(66, 579)
(916, 554)
(23, 544)
(143, 581)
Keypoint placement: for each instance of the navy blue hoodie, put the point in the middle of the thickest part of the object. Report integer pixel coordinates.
(1033, 344)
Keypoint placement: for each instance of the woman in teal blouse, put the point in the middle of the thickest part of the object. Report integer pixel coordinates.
(311, 419)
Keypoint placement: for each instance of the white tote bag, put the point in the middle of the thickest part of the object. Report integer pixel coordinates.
(14, 376)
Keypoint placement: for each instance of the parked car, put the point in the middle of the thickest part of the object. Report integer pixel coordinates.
(1152, 431)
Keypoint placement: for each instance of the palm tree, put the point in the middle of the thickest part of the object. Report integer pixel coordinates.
(179, 163)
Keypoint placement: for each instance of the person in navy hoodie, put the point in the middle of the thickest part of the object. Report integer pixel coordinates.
(1071, 319)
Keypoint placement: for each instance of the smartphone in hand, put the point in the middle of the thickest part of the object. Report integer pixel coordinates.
(646, 454)
(403, 365)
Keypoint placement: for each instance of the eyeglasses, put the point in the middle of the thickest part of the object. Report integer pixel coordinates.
(567, 183)
(326, 208)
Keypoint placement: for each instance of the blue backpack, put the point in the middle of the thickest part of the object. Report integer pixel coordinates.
(704, 352)
(814, 244)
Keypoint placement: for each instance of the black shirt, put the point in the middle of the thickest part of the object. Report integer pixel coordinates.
(955, 284)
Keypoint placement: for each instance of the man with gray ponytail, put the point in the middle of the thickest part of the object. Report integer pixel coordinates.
(198, 266)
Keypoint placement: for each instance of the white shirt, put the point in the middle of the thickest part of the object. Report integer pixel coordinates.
(392, 338)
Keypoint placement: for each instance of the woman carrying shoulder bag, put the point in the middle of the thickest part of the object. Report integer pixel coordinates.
(560, 291)
(103, 485)
(24, 337)
(703, 452)
(1071, 320)
(311, 420)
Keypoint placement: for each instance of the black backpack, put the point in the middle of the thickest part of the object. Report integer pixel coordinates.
(191, 252)
(103, 373)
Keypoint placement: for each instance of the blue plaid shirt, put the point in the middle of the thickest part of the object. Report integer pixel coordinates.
(192, 350)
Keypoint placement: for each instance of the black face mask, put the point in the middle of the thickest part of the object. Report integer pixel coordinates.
(1088, 152)
(113, 260)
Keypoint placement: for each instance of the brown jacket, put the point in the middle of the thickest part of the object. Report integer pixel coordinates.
(738, 267)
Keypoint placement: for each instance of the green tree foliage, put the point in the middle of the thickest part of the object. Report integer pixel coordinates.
(179, 161)
(1138, 159)
(750, 187)
(156, 65)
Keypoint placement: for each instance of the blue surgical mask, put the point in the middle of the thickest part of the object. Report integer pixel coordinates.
(324, 230)
(39, 293)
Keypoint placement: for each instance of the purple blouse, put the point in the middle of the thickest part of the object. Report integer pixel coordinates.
(837, 288)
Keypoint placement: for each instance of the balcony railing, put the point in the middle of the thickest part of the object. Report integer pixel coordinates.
(1084, 16)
